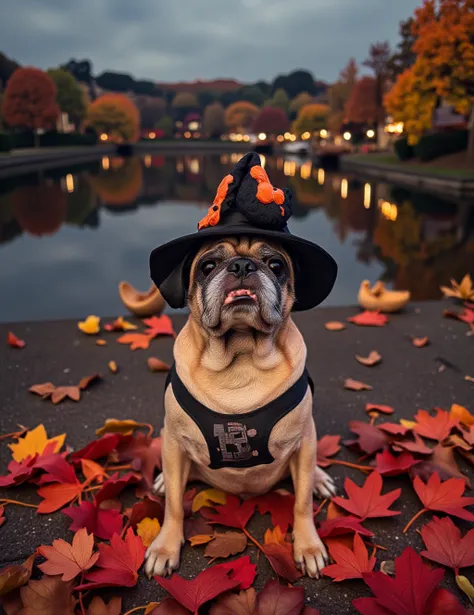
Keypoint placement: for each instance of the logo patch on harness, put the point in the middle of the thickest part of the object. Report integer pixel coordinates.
(234, 441)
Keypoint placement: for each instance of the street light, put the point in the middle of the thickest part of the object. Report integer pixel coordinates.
(347, 136)
(323, 133)
(370, 133)
(262, 136)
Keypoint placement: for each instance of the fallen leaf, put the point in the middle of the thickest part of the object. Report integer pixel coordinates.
(387, 464)
(370, 440)
(102, 523)
(281, 560)
(367, 501)
(159, 325)
(49, 596)
(119, 324)
(196, 525)
(36, 442)
(469, 378)
(194, 593)
(56, 468)
(369, 319)
(445, 545)
(328, 446)
(91, 325)
(97, 448)
(341, 526)
(92, 471)
(144, 452)
(85, 382)
(356, 385)
(113, 367)
(226, 544)
(279, 505)
(148, 529)
(100, 342)
(446, 497)
(242, 603)
(57, 495)
(469, 435)
(373, 359)
(20, 472)
(157, 365)
(276, 599)
(98, 606)
(147, 508)
(460, 414)
(60, 393)
(200, 539)
(69, 560)
(14, 341)
(208, 497)
(14, 576)
(334, 325)
(465, 586)
(434, 427)
(379, 408)
(136, 340)
(233, 513)
(443, 461)
(274, 536)
(420, 342)
(119, 562)
(462, 290)
(407, 424)
(392, 428)
(115, 485)
(349, 564)
(416, 446)
(118, 426)
(241, 570)
(466, 315)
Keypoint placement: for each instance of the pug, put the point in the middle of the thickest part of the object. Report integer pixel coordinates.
(238, 405)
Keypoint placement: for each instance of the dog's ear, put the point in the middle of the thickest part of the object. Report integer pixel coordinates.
(175, 287)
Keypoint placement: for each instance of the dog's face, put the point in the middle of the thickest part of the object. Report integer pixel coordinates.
(241, 283)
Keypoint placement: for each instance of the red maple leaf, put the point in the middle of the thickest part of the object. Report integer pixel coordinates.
(276, 599)
(446, 546)
(102, 523)
(434, 427)
(393, 429)
(413, 590)
(445, 497)
(369, 319)
(279, 505)
(342, 525)
(233, 513)
(416, 446)
(349, 564)
(115, 485)
(327, 447)
(14, 341)
(20, 472)
(97, 448)
(370, 440)
(57, 469)
(241, 570)
(154, 509)
(389, 465)
(119, 562)
(194, 593)
(65, 489)
(366, 501)
(159, 325)
(280, 556)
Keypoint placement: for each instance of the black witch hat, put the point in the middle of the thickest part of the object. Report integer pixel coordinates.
(246, 204)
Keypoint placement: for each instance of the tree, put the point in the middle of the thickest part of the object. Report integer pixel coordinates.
(280, 100)
(361, 106)
(30, 100)
(299, 101)
(349, 73)
(271, 121)
(253, 94)
(404, 56)
(69, 94)
(311, 118)
(116, 116)
(296, 82)
(213, 122)
(183, 103)
(339, 94)
(378, 62)
(7, 68)
(151, 110)
(116, 82)
(80, 70)
(240, 116)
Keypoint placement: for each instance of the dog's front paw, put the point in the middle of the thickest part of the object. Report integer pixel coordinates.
(159, 485)
(162, 556)
(323, 485)
(310, 555)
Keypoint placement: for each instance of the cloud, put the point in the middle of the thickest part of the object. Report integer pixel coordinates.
(186, 40)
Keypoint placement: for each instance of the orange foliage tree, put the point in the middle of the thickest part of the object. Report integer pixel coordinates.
(116, 116)
(30, 100)
(241, 115)
(361, 105)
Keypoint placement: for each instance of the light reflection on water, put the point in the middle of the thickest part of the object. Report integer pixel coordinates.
(67, 237)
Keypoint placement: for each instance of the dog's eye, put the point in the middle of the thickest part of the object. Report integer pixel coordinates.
(208, 266)
(276, 266)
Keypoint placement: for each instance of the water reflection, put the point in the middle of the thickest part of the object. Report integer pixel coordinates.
(127, 206)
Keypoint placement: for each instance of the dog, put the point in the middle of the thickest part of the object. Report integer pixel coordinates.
(238, 352)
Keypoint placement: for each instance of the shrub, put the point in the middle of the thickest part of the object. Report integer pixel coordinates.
(403, 150)
(432, 146)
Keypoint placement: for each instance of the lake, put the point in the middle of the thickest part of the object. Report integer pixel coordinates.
(69, 236)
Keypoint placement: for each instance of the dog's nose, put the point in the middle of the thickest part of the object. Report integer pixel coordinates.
(242, 267)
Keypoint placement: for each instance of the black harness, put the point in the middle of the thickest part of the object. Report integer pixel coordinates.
(239, 440)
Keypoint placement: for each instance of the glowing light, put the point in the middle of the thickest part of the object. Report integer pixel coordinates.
(147, 161)
(187, 135)
(370, 133)
(246, 138)
(347, 136)
(197, 135)
(105, 163)
(289, 168)
(367, 195)
(394, 128)
(69, 183)
(263, 161)
(323, 133)
(262, 136)
(193, 125)
(305, 170)
(151, 135)
(179, 166)
(280, 138)
(344, 188)
(306, 135)
(292, 137)
(389, 210)
(194, 166)
(287, 136)
(321, 177)
(239, 137)
(103, 137)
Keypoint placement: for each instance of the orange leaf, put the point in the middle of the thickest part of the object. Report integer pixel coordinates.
(14, 341)
(334, 325)
(101, 342)
(69, 560)
(200, 539)
(61, 393)
(92, 470)
(113, 367)
(369, 319)
(274, 535)
(159, 325)
(420, 342)
(373, 359)
(379, 408)
(461, 414)
(157, 365)
(136, 340)
(88, 380)
(148, 529)
(356, 385)
(57, 495)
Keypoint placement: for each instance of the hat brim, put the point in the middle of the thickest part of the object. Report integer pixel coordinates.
(315, 270)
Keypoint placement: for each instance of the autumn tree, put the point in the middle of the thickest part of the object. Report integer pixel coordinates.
(299, 101)
(271, 121)
(311, 118)
(339, 94)
(213, 121)
(151, 109)
(240, 116)
(361, 106)
(69, 94)
(30, 100)
(116, 116)
(378, 62)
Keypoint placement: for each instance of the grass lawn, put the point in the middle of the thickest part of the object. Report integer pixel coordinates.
(437, 167)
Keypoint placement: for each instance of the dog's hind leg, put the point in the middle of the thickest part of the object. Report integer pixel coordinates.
(323, 485)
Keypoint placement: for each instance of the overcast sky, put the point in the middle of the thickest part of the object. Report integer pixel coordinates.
(182, 40)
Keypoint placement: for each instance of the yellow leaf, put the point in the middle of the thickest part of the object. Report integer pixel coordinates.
(113, 367)
(466, 586)
(91, 325)
(274, 535)
(35, 441)
(148, 529)
(407, 424)
(125, 427)
(200, 539)
(207, 498)
(151, 607)
(126, 326)
(461, 414)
